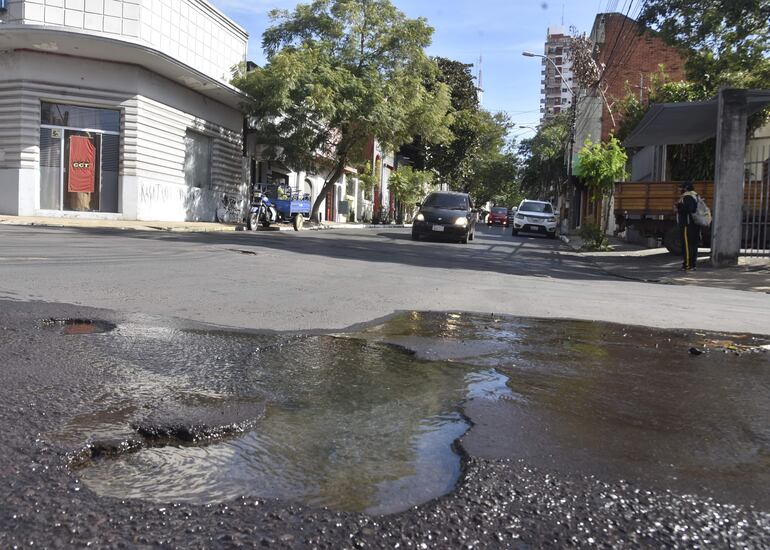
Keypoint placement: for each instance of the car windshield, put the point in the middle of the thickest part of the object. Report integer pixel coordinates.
(448, 201)
(499, 210)
(542, 207)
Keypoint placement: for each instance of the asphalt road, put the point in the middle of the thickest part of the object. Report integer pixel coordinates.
(156, 283)
(326, 280)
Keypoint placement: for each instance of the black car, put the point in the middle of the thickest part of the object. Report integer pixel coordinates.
(445, 215)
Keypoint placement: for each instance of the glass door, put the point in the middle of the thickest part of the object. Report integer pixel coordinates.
(82, 173)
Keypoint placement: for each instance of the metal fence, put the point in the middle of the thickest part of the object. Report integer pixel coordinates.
(755, 229)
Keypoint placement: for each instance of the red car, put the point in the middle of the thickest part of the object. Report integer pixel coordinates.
(498, 215)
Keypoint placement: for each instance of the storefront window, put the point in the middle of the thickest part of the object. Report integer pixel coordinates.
(79, 158)
(74, 116)
(197, 160)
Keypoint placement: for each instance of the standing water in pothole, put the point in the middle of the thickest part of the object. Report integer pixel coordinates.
(351, 425)
(359, 424)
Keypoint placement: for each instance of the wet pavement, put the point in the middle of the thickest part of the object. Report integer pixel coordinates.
(427, 430)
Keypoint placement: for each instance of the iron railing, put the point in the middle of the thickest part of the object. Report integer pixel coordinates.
(755, 229)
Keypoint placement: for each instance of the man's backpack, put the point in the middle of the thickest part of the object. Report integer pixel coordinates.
(702, 214)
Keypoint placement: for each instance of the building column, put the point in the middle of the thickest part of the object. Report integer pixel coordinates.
(728, 177)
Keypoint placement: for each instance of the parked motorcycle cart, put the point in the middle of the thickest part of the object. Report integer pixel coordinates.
(278, 204)
(261, 212)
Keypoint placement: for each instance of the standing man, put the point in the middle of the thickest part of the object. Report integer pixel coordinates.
(689, 230)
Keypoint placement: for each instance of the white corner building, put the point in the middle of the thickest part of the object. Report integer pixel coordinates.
(119, 109)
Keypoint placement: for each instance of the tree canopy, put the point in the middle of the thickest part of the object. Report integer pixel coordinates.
(543, 157)
(409, 186)
(340, 72)
(726, 41)
(690, 161)
(478, 159)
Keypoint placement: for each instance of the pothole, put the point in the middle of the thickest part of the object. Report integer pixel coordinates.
(370, 422)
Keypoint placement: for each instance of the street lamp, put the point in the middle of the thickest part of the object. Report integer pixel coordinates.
(531, 54)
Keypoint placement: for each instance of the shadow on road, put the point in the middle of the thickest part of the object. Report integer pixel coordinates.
(491, 251)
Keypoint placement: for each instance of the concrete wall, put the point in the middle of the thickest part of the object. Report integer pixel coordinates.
(191, 31)
(156, 114)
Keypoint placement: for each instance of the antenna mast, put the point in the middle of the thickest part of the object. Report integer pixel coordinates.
(480, 94)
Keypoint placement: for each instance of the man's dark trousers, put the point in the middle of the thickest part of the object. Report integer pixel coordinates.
(690, 242)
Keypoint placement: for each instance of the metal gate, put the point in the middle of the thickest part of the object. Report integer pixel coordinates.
(755, 231)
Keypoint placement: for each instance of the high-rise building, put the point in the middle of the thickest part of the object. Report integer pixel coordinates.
(556, 74)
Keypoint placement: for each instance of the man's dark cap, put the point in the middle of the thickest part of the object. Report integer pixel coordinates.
(686, 185)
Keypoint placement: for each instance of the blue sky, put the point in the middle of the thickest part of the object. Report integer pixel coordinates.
(497, 30)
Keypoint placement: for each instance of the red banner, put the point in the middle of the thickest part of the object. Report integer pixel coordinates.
(82, 167)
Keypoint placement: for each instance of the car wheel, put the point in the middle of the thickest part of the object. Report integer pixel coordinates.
(415, 236)
(464, 240)
(551, 235)
(514, 232)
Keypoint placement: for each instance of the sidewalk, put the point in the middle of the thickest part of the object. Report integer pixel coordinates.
(657, 265)
(201, 227)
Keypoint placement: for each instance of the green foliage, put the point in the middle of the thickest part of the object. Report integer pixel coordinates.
(409, 185)
(593, 237)
(692, 161)
(478, 159)
(601, 165)
(458, 77)
(544, 171)
(367, 178)
(726, 41)
(338, 73)
(658, 89)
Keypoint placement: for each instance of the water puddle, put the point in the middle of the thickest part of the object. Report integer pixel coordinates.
(369, 422)
(345, 423)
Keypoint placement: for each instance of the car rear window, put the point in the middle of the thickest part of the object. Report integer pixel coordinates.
(499, 210)
(441, 200)
(542, 207)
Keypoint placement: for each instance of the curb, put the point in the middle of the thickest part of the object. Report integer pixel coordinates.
(212, 228)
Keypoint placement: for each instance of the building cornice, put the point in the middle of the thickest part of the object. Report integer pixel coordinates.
(77, 43)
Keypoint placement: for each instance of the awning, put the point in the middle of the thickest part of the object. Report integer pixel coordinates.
(690, 122)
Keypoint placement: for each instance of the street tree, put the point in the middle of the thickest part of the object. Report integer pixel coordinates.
(338, 73)
(726, 41)
(600, 165)
(478, 159)
(543, 171)
(409, 186)
(450, 160)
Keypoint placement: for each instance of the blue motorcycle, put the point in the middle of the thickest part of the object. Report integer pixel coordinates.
(261, 212)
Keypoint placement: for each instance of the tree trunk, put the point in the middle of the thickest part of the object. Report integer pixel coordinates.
(607, 203)
(328, 185)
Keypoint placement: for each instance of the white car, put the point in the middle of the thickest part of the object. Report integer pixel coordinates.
(535, 217)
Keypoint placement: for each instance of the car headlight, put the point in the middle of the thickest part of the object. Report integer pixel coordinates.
(461, 222)
(552, 219)
(519, 216)
(420, 218)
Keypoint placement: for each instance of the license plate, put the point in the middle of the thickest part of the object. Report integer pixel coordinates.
(438, 228)
(535, 228)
